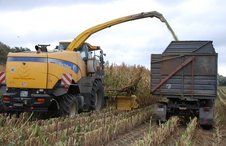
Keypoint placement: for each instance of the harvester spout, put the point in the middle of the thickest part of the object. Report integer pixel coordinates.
(80, 39)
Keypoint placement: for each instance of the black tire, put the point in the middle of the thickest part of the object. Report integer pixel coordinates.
(68, 105)
(97, 96)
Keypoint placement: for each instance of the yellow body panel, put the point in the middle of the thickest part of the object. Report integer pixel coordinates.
(25, 76)
(57, 69)
(36, 70)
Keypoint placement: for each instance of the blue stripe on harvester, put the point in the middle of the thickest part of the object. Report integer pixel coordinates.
(63, 63)
(27, 59)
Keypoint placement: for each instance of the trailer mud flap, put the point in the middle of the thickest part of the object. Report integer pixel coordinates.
(206, 116)
(160, 110)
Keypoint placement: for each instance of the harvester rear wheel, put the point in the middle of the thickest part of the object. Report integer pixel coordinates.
(68, 105)
(97, 96)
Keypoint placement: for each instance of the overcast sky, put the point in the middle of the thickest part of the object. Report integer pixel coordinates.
(27, 23)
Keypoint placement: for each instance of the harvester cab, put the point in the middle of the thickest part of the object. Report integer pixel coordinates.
(93, 57)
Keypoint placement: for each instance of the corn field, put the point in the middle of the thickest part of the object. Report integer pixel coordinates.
(111, 127)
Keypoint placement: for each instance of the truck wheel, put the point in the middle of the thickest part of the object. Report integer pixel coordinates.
(97, 96)
(68, 105)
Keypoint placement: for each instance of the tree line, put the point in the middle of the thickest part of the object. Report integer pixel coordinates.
(5, 49)
(221, 80)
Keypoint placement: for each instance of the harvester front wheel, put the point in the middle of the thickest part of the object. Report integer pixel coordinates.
(68, 105)
(97, 96)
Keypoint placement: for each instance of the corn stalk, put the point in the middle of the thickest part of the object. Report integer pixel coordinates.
(186, 138)
(159, 135)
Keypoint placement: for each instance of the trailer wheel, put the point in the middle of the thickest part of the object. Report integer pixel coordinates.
(68, 105)
(97, 96)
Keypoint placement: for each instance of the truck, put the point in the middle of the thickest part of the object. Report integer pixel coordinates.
(62, 82)
(186, 74)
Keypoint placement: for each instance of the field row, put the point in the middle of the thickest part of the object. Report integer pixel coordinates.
(169, 133)
(222, 95)
(86, 129)
(220, 117)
